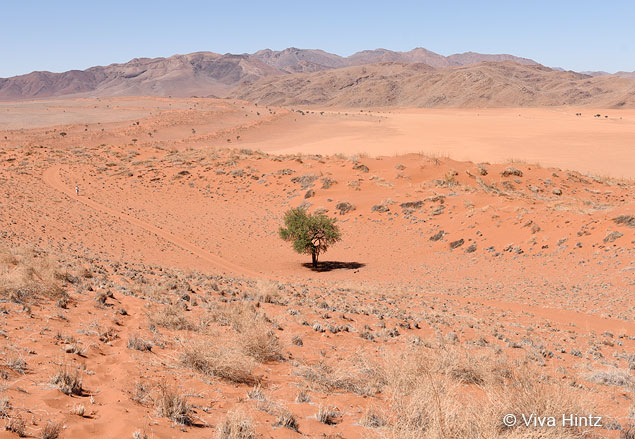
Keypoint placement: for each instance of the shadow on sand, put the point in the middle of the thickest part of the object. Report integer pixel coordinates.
(334, 265)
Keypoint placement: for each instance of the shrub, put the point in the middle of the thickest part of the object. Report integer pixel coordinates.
(171, 404)
(170, 317)
(68, 381)
(327, 415)
(139, 344)
(236, 425)
(219, 362)
(50, 431)
(16, 425)
(26, 275)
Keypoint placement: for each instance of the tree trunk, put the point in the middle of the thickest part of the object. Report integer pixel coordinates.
(314, 259)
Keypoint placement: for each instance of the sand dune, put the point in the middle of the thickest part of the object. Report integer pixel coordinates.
(160, 302)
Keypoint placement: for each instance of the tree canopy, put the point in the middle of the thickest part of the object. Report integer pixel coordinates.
(310, 233)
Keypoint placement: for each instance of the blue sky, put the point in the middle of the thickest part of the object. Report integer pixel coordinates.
(62, 35)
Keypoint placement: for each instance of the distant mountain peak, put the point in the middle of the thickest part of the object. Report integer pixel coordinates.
(207, 73)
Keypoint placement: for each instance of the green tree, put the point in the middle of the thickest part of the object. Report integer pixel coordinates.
(310, 233)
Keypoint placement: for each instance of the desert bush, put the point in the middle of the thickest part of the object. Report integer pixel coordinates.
(614, 377)
(260, 343)
(68, 380)
(170, 317)
(255, 337)
(139, 344)
(268, 292)
(218, 361)
(284, 418)
(236, 425)
(171, 404)
(327, 415)
(16, 425)
(27, 275)
(50, 431)
(372, 418)
(79, 410)
(428, 397)
(5, 406)
(361, 376)
(16, 363)
(302, 397)
(297, 340)
(527, 393)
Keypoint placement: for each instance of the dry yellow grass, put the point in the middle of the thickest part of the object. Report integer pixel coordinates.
(236, 425)
(218, 361)
(26, 275)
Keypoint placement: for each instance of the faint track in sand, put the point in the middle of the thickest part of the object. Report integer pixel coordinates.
(51, 177)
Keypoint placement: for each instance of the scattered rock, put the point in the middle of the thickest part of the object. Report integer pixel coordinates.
(381, 208)
(557, 191)
(437, 236)
(612, 237)
(411, 205)
(471, 248)
(305, 181)
(360, 167)
(438, 211)
(344, 207)
(310, 193)
(512, 171)
(457, 244)
(628, 220)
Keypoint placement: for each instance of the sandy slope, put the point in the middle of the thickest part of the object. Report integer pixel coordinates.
(486, 269)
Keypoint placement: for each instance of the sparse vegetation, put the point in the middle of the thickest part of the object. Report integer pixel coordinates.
(139, 344)
(236, 425)
(50, 431)
(219, 362)
(171, 404)
(68, 380)
(27, 275)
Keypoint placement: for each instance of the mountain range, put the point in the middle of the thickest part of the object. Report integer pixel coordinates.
(368, 78)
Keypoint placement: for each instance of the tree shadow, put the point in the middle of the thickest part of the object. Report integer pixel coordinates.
(333, 265)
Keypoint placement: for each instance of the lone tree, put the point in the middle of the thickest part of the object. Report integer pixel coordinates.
(310, 233)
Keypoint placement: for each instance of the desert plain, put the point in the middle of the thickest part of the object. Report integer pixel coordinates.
(486, 268)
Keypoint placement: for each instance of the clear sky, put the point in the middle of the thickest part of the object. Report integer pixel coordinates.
(67, 34)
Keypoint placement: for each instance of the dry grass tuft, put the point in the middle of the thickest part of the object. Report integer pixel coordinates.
(219, 362)
(327, 415)
(255, 334)
(171, 404)
(68, 380)
(79, 410)
(428, 397)
(50, 431)
(27, 275)
(284, 418)
(260, 343)
(362, 376)
(236, 425)
(612, 377)
(5, 406)
(373, 418)
(137, 343)
(16, 425)
(170, 317)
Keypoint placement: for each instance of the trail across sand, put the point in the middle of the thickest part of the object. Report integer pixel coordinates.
(52, 177)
